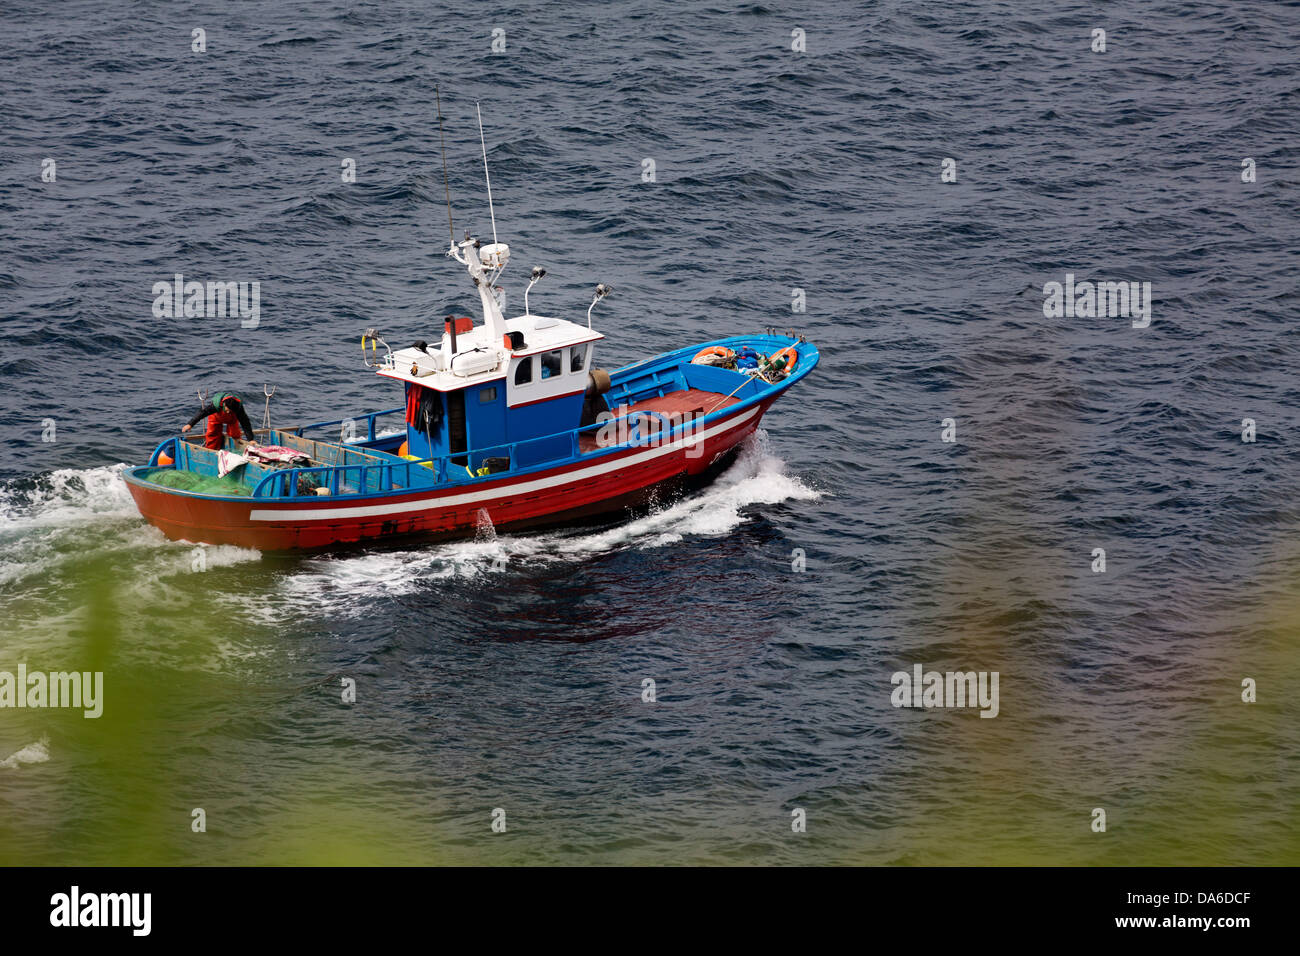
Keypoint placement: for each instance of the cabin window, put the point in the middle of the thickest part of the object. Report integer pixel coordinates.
(552, 363)
(524, 371)
(577, 355)
(487, 395)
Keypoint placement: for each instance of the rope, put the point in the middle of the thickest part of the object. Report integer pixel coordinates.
(749, 377)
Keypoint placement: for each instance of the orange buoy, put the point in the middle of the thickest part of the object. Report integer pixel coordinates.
(791, 356)
(403, 450)
(165, 459)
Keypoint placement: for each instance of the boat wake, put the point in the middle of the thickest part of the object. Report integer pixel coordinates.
(53, 524)
(55, 528)
(68, 496)
(757, 477)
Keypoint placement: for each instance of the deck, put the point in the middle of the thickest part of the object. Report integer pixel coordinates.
(357, 464)
(681, 404)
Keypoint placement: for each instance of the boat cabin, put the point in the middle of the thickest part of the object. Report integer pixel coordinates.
(471, 392)
(484, 387)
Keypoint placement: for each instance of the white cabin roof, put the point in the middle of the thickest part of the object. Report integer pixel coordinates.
(479, 360)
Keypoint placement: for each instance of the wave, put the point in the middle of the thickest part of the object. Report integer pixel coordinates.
(757, 477)
(53, 521)
(38, 752)
(63, 497)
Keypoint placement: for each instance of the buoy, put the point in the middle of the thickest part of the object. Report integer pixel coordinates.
(403, 450)
(791, 356)
(714, 355)
(165, 460)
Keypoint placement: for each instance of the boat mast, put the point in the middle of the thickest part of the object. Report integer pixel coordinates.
(446, 188)
(487, 262)
(483, 143)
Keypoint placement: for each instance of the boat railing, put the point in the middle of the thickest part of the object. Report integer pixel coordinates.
(356, 420)
(361, 474)
(358, 479)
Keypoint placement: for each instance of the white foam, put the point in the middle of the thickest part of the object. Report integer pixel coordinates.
(756, 477)
(44, 522)
(214, 556)
(67, 496)
(56, 518)
(37, 752)
(71, 511)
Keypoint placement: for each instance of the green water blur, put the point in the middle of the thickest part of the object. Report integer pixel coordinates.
(120, 789)
(186, 728)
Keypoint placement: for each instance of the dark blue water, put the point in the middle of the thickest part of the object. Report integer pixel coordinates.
(507, 672)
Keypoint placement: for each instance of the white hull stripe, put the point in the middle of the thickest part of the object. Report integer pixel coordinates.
(495, 494)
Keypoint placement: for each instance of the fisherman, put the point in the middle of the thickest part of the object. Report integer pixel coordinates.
(225, 415)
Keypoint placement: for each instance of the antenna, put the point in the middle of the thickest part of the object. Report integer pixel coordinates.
(445, 188)
(485, 172)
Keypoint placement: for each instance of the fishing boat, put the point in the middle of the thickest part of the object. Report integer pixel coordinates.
(505, 423)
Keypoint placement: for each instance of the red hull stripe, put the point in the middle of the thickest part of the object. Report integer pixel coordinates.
(548, 398)
(497, 492)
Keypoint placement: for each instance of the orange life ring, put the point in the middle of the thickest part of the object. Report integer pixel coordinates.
(791, 356)
(721, 350)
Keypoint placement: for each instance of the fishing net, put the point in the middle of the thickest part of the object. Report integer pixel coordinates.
(200, 484)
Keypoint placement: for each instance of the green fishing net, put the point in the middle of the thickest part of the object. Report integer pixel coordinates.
(200, 484)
